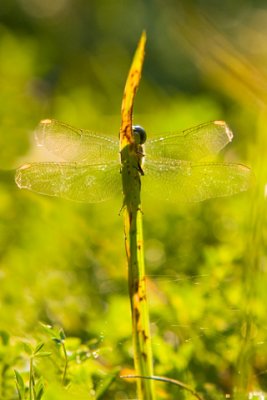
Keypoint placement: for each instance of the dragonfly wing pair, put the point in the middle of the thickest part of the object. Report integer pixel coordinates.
(89, 173)
(172, 168)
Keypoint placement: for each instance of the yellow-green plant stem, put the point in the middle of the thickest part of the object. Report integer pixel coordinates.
(166, 380)
(138, 297)
(131, 152)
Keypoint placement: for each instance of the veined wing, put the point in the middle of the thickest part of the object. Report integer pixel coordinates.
(184, 181)
(72, 144)
(77, 182)
(192, 144)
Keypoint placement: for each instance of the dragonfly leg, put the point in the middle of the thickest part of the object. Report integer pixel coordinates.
(140, 169)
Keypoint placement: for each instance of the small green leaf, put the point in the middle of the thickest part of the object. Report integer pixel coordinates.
(49, 330)
(46, 327)
(57, 341)
(39, 389)
(5, 337)
(27, 348)
(56, 334)
(62, 334)
(38, 347)
(20, 385)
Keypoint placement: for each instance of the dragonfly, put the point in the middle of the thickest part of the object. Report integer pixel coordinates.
(176, 166)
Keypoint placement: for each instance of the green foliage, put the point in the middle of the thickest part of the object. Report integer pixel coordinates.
(63, 263)
(69, 368)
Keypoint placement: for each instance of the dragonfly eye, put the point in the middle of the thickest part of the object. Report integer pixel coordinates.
(139, 134)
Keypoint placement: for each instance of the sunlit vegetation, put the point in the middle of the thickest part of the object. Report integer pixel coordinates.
(65, 324)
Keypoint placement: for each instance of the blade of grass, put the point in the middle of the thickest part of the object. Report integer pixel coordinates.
(134, 232)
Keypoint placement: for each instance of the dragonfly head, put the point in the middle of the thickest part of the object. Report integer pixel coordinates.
(139, 134)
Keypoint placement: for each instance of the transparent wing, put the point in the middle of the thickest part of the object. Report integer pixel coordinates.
(192, 144)
(188, 182)
(77, 182)
(72, 144)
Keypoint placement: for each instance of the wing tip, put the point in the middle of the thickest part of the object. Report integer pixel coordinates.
(228, 131)
(18, 179)
(45, 121)
(40, 131)
(19, 176)
(247, 178)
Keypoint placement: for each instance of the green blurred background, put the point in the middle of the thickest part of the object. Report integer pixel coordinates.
(63, 263)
